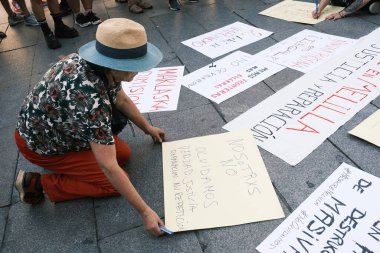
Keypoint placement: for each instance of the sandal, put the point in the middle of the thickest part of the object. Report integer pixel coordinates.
(136, 9)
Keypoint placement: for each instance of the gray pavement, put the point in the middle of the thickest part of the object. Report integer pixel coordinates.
(111, 224)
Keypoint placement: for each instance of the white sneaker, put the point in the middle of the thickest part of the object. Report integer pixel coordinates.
(374, 7)
(31, 20)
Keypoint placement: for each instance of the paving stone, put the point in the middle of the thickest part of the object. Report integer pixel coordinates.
(240, 103)
(241, 238)
(296, 183)
(282, 78)
(8, 161)
(376, 102)
(17, 62)
(145, 169)
(199, 121)
(45, 58)
(3, 219)
(352, 27)
(16, 91)
(21, 36)
(48, 227)
(375, 19)
(138, 240)
(364, 154)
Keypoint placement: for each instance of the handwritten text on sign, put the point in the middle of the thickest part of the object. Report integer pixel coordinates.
(226, 39)
(229, 76)
(306, 50)
(203, 176)
(342, 215)
(297, 119)
(155, 90)
(298, 11)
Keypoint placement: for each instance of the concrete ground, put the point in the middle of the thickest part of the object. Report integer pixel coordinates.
(110, 224)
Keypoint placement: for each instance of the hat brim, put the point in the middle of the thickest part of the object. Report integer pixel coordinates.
(152, 58)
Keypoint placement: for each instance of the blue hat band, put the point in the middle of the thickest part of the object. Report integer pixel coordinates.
(129, 53)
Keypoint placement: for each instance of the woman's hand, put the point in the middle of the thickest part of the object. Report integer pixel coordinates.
(158, 135)
(335, 16)
(315, 15)
(152, 222)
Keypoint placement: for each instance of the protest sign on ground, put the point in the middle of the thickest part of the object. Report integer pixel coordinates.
(226, 39)
(155, 90)
(216, 180)
(230, 76)
(369, 129)
(297, 119)
(306, 50)
(340, 216)
(297, 11)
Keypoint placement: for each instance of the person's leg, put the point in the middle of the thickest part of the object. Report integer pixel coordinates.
(79, 174)
(13, 18)
(61, 30)
(49, 36)
(28, 17)
(89, 14)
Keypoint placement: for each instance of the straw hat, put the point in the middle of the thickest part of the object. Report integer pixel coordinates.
(121, 44)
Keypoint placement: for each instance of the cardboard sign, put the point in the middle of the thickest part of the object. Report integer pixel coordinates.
(306, 50)
(296, 11)
(341, 216)
(297, 119)
(226, 39)
(203, 177)
(155, 90)
(229, 76)
(369, 129)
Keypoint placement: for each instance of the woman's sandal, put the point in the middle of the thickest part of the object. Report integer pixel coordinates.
(136, 9)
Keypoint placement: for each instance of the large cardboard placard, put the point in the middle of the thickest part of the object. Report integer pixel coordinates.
(229, 76)
(306, 50)
(341, 216)
(369, 129)
(216, 180)
(297, 11)
(226, 39)
(155, 90)
(297, 119)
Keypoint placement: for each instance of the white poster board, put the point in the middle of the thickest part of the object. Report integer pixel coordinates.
(369, 129)
(226, 39)
(229, 76)
(341, 216)
(306, 50)
(203, 177)
(297, 11)
(155, 90)
(297, 119)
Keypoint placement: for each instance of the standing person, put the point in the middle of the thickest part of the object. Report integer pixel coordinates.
(351, 6)
(88, 17)
(65, 123)
(14, 19)
(60, 29)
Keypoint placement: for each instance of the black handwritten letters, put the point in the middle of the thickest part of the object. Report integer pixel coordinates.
(341, 216)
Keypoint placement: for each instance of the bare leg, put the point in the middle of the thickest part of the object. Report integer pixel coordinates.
(38, 10)
(23, 7)
(7, 8)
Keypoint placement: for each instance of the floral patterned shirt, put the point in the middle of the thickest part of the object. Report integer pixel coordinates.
(67, 109)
